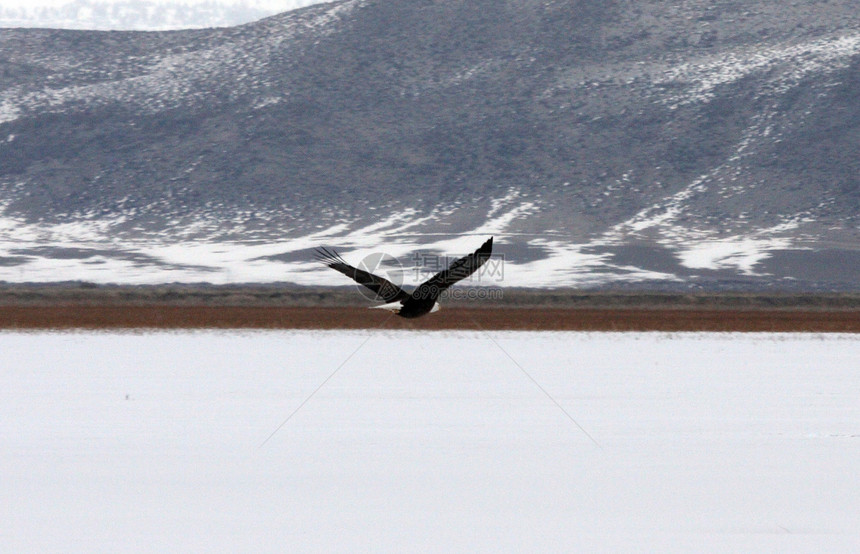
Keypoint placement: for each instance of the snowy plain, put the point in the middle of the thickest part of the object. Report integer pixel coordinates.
(440, 441)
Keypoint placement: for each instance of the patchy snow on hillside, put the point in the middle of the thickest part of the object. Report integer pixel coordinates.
(90, 250)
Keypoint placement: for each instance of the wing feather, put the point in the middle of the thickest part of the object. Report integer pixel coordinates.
(458, 270)
(384, 289)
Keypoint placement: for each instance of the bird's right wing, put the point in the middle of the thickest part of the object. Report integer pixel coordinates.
(384, 289)
(459, 269)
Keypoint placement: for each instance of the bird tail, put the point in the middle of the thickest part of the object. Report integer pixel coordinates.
(391, 307)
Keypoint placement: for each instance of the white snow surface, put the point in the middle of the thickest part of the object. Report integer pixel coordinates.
(154, 442)
(100, 256)
(141, 15)
(199, 252)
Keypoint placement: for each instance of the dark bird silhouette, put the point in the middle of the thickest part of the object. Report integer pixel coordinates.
(424, 298)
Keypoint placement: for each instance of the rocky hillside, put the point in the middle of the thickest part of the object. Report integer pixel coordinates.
(696, 144)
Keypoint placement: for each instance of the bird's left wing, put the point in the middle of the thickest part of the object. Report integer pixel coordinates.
(459, 269)
(384, 289)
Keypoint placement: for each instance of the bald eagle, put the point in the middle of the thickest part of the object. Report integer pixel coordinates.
(423, 299)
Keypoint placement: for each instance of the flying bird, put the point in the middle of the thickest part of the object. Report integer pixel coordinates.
(423, 299)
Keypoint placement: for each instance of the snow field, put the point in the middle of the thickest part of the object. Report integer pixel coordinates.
(142, 442)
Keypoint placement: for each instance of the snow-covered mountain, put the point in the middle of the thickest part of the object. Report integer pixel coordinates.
(631, 143)
(143, 15)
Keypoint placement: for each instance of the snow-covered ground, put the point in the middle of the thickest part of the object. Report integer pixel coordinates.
(154, 442)
(88, 251)
(141, 15)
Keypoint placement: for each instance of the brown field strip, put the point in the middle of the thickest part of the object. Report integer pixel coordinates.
(537, 319)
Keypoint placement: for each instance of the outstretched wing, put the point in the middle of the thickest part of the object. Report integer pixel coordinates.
(459, 269)
(384, 289)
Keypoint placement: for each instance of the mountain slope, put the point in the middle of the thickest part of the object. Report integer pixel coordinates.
(702, 144)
